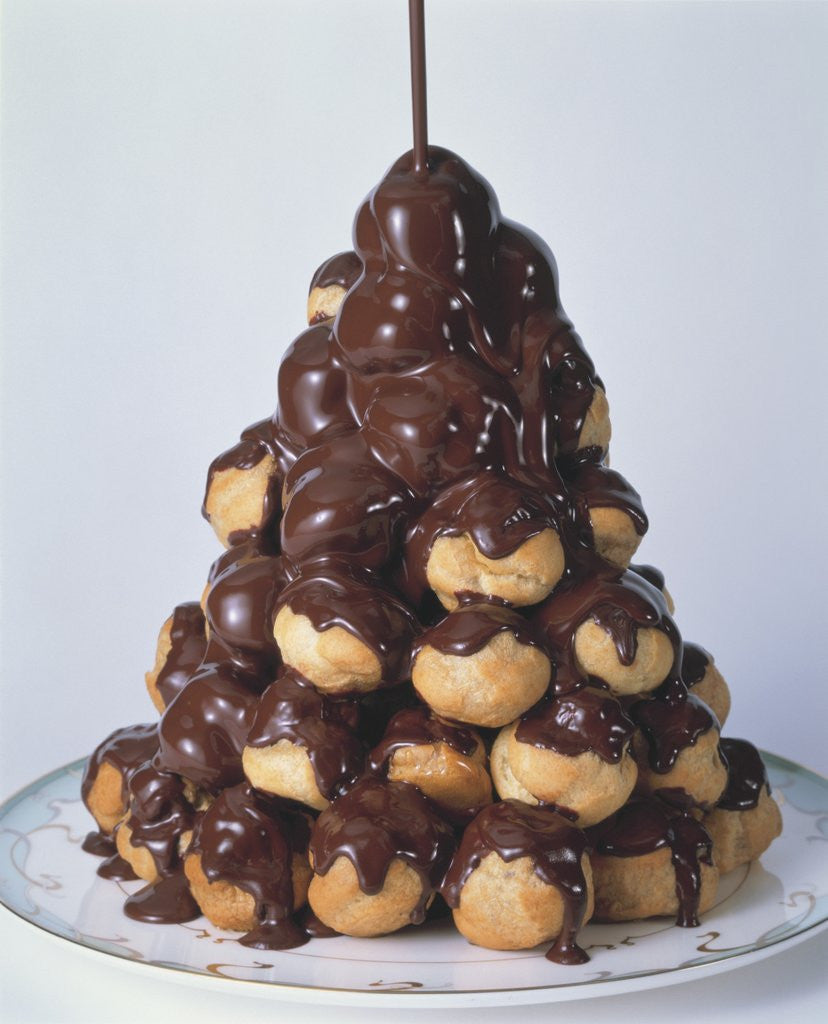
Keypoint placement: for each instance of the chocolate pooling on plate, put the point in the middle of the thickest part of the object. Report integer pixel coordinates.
(645, 825)
(377, 822)
(245, 839)
(512, 830)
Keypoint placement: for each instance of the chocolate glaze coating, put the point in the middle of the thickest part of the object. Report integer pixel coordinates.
(592, 485)
(574, 723)
(376, 822)
(244, 839)
(202, 733)
(671, 720)
(188, 647)
(419, 727)
(468, 629)
(512, 830)
(126, 750)
(694, 664)
(363, 607)
(746, 776)
(644, 825)
(291, 709)
(343, 269)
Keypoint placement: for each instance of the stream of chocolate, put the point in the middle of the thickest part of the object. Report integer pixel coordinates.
(512, 830)
(377, 822)
(188, 647)
(420, 727)
(644, 825)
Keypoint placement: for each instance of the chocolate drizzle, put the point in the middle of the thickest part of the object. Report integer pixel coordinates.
(645, 825)
(671, 721)
(694, 664)
(592, 485)
(746, 776)
(188, 645)
(377, 822)
(617, 600)
(574, 723)
(512, 830)
(244, 840)
(291, 709)
(420, 727)
(126, 750)
(468, 629)
(360, 606)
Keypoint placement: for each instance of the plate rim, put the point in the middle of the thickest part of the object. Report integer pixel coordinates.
(333, 995)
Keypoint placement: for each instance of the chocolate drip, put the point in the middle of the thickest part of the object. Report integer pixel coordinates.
(159, 815)
(257, 442)
(243, 839)
(202, 733)
(746, 776)
(116, 869)
(513, 830)
(619, 601)
(377, 822)
(98, 844)
(655, 577)
(291, 709)
(166, 901)
(343, 269)
(694, 664)
(188, 645)
(419, 727)
(241, 604)
(595, 486)
(361, 606)
(126, 750)
(468, 629)
(671, 721)
(574, 723)
(644, 825)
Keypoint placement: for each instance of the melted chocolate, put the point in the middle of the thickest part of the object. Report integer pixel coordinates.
(377, 822)
(746, 776)
(343, 270)
(512, 830)
(362, 607)
(116, 869)
(595, 486)
(420, 727)
(257, 442)
(159, 814)
(694, 664)
(166, 901)
(243, 839)
(126, 750)
(188, 645)
(574, 723)
(655, 577)
(671, 721)
(619, 601)
(644, 825)
(468, 629)
(291, 709)
(203, 732)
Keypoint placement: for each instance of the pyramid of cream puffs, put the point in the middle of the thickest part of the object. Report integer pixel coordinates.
(425, 670)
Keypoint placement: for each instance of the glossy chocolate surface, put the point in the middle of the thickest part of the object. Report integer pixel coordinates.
(188, 645)
(126, 750)
(577, 722)
(746, 776)
(645, 825)
(420, 727)
(512, 830)
(468, 629)
(291, 709)
(377, 822)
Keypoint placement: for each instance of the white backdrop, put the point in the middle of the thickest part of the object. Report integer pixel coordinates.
(174, 171)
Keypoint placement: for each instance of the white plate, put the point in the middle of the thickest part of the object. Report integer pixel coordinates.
(47, 879)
